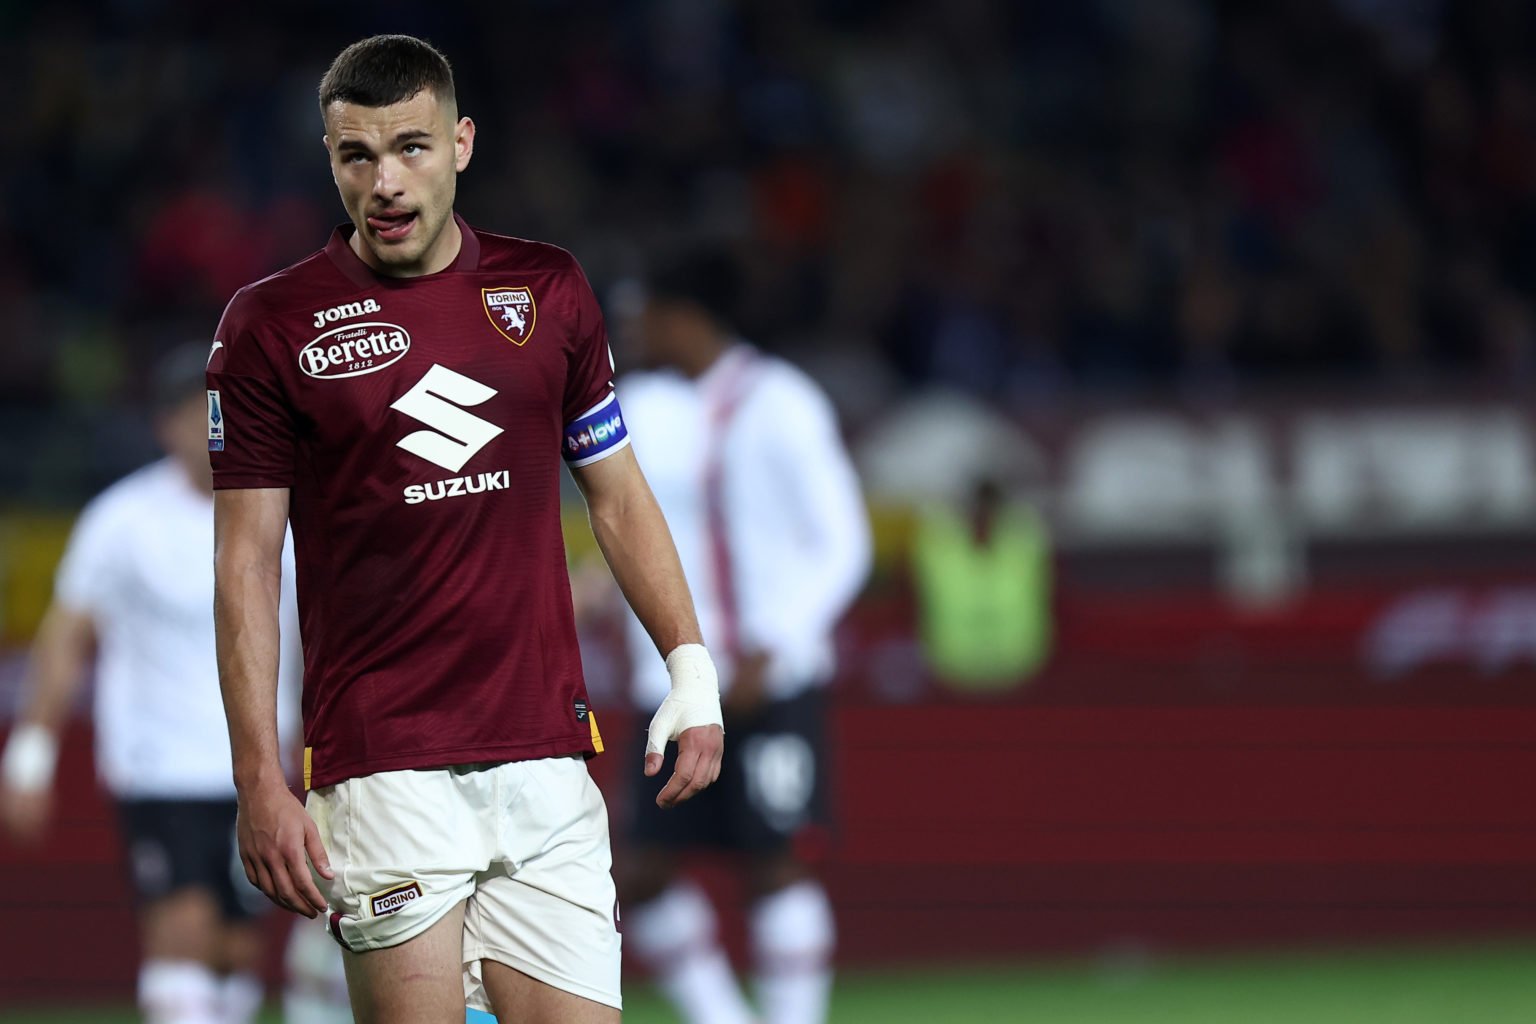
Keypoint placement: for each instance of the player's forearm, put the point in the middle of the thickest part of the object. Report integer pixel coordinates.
(246, 624)
(56, 668)
(637, 545)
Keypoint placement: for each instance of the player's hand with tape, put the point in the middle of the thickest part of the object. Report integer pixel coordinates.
(691, 716)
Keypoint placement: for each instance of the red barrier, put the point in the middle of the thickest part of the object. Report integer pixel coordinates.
(995, 830)
(1183, 774)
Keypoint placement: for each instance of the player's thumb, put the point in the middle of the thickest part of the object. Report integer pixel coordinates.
(660, 731)
(316, 850)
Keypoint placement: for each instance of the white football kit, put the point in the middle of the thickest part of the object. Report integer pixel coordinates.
(140, 564)
(750, 469)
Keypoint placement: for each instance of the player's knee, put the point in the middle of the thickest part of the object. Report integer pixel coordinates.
(240, 948)
(643, 875)
(183, 925)
(775, 872)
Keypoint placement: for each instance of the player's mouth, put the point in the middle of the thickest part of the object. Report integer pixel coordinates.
(392, 226)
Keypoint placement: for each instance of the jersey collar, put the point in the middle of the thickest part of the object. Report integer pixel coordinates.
(339, 249)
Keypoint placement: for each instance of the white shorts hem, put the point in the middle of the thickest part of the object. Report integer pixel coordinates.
(537, 973)
(391, 938)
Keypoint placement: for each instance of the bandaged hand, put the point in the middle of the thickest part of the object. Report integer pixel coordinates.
(690, 715)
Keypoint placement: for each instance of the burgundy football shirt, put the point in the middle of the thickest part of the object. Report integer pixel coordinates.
(419, 425)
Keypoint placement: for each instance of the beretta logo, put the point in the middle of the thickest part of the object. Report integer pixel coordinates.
(391, 900)
(354, 350)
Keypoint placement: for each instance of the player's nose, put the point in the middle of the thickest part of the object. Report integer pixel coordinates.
(387, 181)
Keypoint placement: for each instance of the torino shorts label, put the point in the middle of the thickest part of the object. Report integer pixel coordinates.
(393, 899)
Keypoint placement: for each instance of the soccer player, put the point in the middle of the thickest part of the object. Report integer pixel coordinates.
(135, 589)
(405, 397)
(748, 464)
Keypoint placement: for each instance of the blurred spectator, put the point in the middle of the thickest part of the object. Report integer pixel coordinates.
(1022, 201)
(983, 582)
(136, 582)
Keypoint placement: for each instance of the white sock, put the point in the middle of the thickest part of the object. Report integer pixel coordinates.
(792, 939)
(316, 988)
(179, 992)
(241, 996)
(674, 934)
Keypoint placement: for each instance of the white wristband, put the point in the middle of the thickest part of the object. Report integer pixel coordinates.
(31, 755)
(694, 700)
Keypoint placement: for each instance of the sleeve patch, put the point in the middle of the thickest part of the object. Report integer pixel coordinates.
(596, 433)
(215, 422)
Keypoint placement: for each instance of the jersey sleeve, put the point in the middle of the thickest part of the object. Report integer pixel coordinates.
(250, 421)
(792, 436)
(87, 574)
(594, 424)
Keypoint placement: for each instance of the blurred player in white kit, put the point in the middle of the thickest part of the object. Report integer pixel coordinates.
(135, 589)
(744, 454)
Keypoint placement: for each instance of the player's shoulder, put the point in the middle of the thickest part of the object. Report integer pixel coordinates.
(297, 284)
(645, 387)
(142, 489)
(525, 255)
(777, 382)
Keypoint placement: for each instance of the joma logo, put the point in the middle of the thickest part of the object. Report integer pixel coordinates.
(345, 311)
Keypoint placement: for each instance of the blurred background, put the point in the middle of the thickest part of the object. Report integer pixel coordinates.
(1222, 309)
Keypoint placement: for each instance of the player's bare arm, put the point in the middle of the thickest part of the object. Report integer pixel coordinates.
(55, 672)
(275, 833)
(637, 545)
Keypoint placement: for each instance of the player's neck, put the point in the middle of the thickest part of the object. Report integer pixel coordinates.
(440, 256)
(704, 357)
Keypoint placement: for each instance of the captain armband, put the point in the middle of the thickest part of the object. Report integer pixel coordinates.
(595, 434)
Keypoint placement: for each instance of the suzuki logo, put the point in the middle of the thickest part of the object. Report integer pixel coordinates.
(456, 435)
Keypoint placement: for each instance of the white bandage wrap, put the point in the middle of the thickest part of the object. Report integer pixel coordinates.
(694, 700)
(31, 755)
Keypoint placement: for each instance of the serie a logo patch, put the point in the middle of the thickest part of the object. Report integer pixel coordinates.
(393, 899)
(215, 421)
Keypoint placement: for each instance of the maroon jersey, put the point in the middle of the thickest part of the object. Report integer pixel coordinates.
(419, 424)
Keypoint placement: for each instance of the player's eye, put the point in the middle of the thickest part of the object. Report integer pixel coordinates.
(354, 157)
(412, 148)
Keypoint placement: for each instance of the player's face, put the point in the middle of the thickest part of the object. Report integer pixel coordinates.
(396, 168)
(672, 333)
(182, 431)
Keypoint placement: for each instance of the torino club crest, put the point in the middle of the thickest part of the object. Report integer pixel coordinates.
(512, 312)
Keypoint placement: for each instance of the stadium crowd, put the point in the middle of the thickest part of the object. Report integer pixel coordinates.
(968, 193)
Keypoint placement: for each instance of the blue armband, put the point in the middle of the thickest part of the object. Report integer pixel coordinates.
(596, 433)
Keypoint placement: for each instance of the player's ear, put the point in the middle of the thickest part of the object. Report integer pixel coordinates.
(463, 143)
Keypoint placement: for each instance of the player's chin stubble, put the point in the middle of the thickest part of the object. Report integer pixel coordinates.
(416, 248)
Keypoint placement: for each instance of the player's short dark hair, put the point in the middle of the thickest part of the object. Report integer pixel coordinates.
(708, 277)
(178, 375)
(383, 70)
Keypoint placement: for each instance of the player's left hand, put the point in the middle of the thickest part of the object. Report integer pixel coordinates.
(748, 691)
(691, 716)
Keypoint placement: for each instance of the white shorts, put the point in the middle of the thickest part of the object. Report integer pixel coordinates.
(524, 843)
